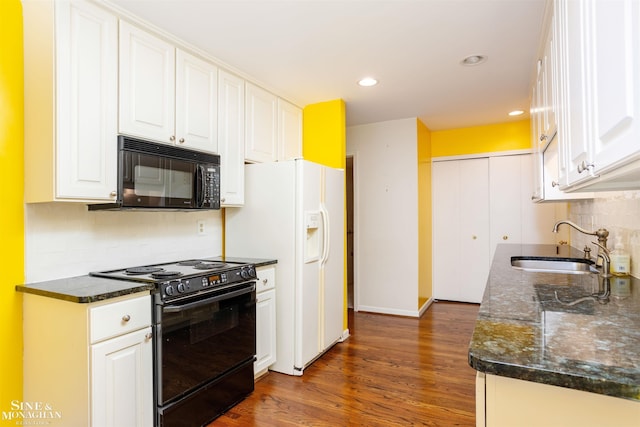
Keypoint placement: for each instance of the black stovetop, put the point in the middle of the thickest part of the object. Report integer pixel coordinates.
(157, 273)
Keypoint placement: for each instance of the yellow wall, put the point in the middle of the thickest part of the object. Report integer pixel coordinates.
(424, 214)
(11, 177)
(481, 139)
(324, 133)
(324, 141)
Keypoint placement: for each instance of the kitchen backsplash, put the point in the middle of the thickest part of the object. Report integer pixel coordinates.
(65, 240)
(618, 212)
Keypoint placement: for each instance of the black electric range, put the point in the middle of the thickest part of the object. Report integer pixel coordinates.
(204, 336)
(186, 278)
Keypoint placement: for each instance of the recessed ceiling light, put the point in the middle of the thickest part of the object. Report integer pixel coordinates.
(474, 60)
(368, 81)
(516, 113)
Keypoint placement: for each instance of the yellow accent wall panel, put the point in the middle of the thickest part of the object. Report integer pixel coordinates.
(424, 214)
(11, 173)
(324, 133)
(481, 139)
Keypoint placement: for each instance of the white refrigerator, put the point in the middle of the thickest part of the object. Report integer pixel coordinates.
(294, 212)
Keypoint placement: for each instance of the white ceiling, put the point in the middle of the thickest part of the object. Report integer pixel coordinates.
(311, 51)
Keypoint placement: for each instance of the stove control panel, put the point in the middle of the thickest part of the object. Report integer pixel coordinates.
(208, 280)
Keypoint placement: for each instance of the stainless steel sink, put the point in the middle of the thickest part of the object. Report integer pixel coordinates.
(554, 265)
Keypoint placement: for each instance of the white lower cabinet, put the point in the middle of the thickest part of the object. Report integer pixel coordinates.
(121, 381)
(265, 320)
(507, 402)
(92, 364)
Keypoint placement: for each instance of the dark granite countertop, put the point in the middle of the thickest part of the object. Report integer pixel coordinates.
(258, 262)
(84, 289)
(87, 289)
(530, 326)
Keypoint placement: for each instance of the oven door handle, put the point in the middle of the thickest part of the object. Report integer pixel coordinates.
(199, 303)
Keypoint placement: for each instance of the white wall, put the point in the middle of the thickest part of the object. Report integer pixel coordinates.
(618, 212)
(65, 240)
(386, 215)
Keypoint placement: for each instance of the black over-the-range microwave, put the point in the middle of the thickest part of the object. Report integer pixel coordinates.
(164, 177)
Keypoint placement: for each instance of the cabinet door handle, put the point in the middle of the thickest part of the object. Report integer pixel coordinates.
(222, 200)
(126, 318)
(181, 140)
(543, 137)
(264, 281)
(584, 166)
(113, 194)
(474, 237)
(172, 138)
(505, 237)
(554, 184)
(148, 336)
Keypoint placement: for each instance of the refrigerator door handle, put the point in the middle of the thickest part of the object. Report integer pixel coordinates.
(325, 234)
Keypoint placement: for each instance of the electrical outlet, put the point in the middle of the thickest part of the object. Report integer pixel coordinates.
(202, 229)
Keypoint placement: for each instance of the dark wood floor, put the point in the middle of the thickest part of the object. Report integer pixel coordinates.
(392, 371)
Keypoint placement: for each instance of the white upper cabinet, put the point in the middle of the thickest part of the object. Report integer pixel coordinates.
(273, 127)
(546, 92)
(550, 179)
(614, 60)
(574, 138)
(71, 84)
(289, 131)
(147, 85)
(261, 144)
(196, 102)
(231, 138)
(599, 93)
(166, 94)
(536, 132)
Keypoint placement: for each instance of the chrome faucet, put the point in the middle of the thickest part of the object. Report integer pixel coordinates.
(601, 233)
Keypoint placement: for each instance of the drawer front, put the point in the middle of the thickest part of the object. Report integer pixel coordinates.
(119, 318)
(266, 278)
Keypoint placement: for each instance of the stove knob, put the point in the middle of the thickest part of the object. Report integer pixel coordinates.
(248, 273)
(181, 287)
(169, 290)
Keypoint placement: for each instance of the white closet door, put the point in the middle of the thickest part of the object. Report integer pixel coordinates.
(446, 234)
(460, 229)
(505, 177)
(474, 259)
